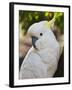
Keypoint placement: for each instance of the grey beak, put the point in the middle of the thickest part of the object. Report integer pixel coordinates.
(34, 39)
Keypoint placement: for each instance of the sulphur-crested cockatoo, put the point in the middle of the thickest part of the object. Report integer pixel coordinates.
(42, 58)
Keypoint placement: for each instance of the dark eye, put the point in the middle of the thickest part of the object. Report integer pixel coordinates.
(41, 34)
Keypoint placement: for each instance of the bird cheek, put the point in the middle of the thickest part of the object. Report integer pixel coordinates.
(38, 45)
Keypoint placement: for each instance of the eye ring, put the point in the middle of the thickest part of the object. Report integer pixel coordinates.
(41, 34)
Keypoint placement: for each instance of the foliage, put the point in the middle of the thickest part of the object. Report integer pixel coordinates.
(27, 18)
(59, 21)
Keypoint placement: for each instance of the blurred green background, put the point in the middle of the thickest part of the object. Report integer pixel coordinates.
(27, 18)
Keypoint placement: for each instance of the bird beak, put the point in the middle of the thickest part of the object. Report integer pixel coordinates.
(34, 39)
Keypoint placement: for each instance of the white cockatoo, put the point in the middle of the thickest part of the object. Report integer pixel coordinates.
(42, 58)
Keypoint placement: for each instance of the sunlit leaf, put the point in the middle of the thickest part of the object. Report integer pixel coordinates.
(36, 17)
(46, 14)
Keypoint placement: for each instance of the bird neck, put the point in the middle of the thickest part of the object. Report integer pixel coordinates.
(48, 54)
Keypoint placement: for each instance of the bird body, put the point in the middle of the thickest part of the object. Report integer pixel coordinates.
(42, 59)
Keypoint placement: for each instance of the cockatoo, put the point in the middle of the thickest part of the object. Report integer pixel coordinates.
(42, 58)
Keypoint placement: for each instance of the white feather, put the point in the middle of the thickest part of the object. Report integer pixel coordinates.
(41, 62)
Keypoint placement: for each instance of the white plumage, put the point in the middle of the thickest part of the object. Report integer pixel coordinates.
(41, 61)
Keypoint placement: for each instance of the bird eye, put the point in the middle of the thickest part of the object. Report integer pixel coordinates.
(41, 34)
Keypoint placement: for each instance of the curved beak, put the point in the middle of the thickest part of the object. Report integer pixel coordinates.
(34, 39)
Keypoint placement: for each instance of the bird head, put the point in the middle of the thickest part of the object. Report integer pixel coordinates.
(42, 36)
